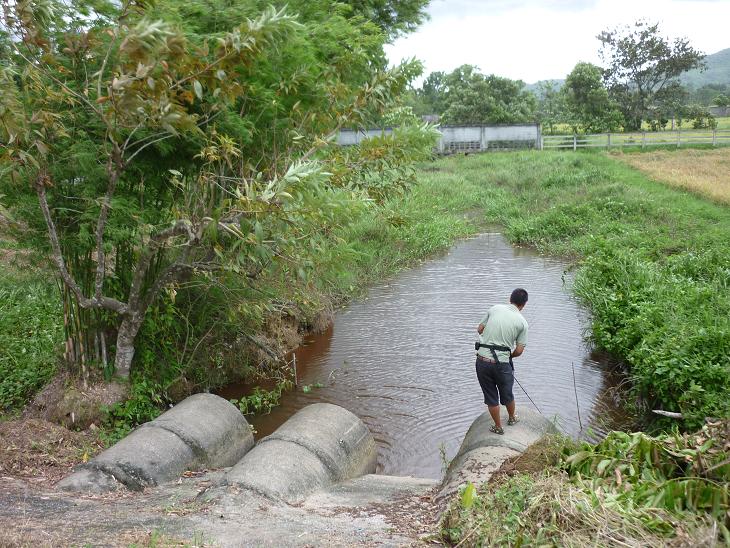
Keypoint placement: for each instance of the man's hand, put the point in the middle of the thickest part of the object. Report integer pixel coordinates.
(480, 329)
(519, 349)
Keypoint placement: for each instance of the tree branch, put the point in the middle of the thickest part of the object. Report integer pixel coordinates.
(97, 302)
(114, 168)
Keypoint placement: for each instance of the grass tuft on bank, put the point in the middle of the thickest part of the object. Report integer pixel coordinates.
(653, 264)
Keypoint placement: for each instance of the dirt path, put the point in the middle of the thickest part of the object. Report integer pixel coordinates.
(370, 511)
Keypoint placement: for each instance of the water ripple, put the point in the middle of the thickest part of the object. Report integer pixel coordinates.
(403, 357)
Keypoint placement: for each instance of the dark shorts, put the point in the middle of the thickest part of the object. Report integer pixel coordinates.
(496, 381)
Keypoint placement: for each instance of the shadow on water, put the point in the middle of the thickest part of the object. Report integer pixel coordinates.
(403, 358)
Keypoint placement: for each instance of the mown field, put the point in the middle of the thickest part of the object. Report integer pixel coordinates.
(723, 122)
(704, 172)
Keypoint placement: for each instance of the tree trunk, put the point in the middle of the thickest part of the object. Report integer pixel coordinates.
(125, 345)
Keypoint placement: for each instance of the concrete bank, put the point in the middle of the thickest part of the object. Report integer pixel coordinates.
(482, 452)
(202, 431)
(308, 484)
(321, 445)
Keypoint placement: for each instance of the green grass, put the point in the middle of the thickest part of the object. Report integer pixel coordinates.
(723, 122)
(31, 332)
(654, 263)
(429, 219)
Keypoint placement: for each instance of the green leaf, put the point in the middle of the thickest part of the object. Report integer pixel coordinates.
(198, 89)
(468, 496)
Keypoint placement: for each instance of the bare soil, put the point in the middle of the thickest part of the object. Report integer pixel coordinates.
(41, 452)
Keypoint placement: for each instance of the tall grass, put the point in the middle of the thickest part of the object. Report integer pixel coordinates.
(653, 263)
(31, 334)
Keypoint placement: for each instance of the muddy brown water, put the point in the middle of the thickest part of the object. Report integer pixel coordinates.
(402, 359)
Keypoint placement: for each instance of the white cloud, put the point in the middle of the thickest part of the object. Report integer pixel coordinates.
(538, 39)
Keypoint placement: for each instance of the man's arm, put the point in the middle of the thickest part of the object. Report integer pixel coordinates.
(521, 342)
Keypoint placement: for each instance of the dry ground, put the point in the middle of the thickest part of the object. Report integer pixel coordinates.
(705, 172)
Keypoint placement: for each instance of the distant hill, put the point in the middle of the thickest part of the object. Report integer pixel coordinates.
(718, 71)
(536, 87)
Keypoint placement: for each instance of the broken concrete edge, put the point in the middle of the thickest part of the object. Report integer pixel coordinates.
(484, 449)
(322, 444)
(183, 438)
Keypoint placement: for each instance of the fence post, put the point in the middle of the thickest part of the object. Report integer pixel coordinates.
(643, 139)
(575, 142)
(679, 138)
(609, 141)
(714, 137)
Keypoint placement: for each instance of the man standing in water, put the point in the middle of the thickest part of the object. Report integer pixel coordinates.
(502, 336)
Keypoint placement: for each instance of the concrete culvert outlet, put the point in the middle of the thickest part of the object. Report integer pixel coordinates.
(482, 452)
(322, 444)
(202, 431)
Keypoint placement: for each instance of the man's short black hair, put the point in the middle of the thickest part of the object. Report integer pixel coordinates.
(518, 297)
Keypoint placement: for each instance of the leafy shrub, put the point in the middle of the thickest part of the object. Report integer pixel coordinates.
(144, 404)
(673, 472)
(262, 401)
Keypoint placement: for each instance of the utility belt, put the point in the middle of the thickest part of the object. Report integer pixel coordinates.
(493, 348)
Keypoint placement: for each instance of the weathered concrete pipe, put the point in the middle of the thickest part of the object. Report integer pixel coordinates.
(202, 431)
(320, 445)
(482, 452)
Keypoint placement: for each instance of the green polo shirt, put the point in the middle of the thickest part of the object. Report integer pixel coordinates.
(504, 325)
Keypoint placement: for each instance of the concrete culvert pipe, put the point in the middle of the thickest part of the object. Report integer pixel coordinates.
(320, 445)
(482, 452)
(202, 431)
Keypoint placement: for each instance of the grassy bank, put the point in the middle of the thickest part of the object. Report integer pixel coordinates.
(654, 263)
(31, 328)
(629, 490)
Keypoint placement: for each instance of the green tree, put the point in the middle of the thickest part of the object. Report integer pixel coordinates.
(393, 16)
(721, 100)
(429, 98)
(551, 108)
(639, 63)
(158, 151)
(588, 105)
(470, 97)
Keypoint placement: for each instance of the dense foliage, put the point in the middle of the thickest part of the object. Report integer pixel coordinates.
(466, 96)
(30, 335)
(588, 105)
(185, 144)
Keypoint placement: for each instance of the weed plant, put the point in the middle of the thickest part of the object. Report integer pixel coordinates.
(630, 490)
(652, 263)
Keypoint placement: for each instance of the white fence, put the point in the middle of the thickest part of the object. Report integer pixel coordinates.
(463, 138)
(507, 137)
(644, 139)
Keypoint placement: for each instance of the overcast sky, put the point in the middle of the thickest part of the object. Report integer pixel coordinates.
(533, 40)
